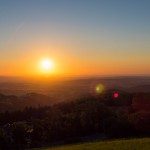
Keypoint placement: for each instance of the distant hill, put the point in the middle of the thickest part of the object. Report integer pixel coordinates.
(12, 102)
(140, 88)
(65, 89)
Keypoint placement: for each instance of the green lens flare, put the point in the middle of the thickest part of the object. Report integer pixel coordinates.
(99, 88)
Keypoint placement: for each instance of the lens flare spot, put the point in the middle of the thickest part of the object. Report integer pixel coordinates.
(99, 88)
(116, 95)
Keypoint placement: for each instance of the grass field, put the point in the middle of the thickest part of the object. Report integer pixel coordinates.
(130, 144)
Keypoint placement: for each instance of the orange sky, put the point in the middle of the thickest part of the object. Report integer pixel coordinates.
(68, 64)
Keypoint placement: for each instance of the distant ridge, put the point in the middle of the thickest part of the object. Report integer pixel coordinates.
(141, 88)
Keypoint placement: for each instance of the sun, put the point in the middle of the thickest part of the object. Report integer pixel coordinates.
(46, 64)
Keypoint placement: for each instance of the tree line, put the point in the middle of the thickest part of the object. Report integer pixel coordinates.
(127, 116)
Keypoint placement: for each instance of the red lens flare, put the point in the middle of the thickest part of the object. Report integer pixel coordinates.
(116, 95)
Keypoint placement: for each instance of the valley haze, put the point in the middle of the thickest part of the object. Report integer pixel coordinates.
(65, 88)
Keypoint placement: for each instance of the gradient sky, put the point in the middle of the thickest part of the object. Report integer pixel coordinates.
(82, 37)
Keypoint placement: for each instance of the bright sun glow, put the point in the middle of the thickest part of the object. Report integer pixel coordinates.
(47, 64)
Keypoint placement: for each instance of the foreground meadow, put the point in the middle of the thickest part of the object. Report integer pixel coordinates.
(129, 144)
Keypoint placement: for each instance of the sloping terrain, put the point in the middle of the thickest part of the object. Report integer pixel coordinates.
(130, 144)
